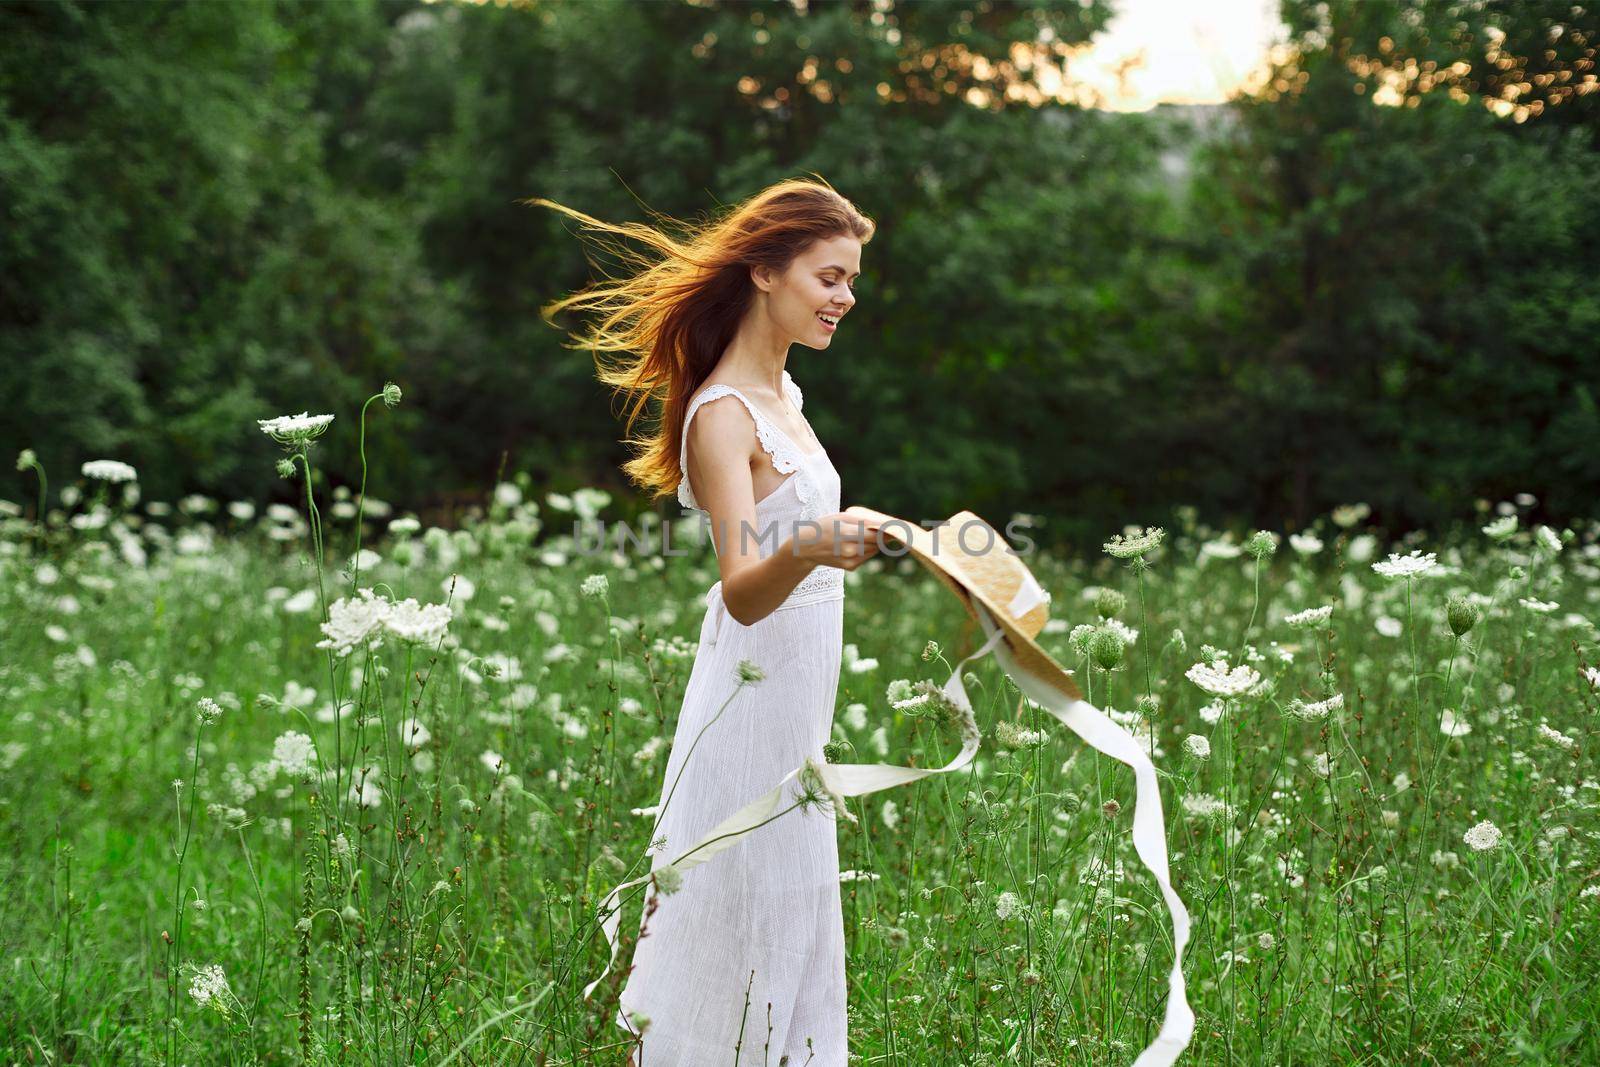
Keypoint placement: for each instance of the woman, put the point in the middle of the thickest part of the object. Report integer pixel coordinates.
(744, 962)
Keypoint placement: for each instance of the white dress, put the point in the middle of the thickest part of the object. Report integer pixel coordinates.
(763, 919)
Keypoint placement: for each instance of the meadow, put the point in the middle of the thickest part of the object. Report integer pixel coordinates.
(315, 783)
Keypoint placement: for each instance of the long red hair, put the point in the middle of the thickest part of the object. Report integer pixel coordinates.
(675, 316)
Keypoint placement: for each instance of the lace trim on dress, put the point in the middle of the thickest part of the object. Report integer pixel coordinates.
(792, 390)
(824, 583)
(786, 456)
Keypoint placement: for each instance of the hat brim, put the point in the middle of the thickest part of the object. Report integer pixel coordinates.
(955, 567)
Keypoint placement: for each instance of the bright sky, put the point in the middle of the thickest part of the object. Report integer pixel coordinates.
(1192, 52)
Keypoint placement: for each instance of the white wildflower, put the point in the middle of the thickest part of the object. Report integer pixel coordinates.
(1311, 712)
(294, 429)
(354, 622)
(1409, 566)
(816, 792)
(1009, 734)
(1136, 543)
(1206, 806)
(855, 715)
(294, 754)
(1301, 620)
(1216, 678)
(1502, 528)
(1451, 726)
(1557, 738)
(1307, 544)
(210, 989)
(301, 602)
(109, 470)
(422, 624)
(1482, 837)
(1198, 746)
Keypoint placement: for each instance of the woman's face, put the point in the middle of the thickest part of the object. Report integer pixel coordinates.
(820, 282)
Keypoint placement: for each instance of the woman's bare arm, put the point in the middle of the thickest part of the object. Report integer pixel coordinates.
(722, 447)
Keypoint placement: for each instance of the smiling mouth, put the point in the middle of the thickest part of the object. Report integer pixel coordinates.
(830, 321)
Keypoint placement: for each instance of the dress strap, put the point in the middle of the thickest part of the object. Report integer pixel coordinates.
(786, 457)
(792, 391)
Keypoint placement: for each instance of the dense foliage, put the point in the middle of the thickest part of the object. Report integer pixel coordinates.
(1309, 298)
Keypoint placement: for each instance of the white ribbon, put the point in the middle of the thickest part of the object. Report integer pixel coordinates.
(858, 779)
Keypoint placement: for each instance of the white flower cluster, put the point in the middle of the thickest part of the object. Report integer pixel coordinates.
(1206, 806)
(294, 754)
(210, 988)
(1008, 734)
(362, 621)
(1502, 528)
(1311, 712)
(1301, 620)
(1482, 837)
(109, 470)
(1198, 746)
(1410, 566)
(1308, 544)
(1135, 543)
(1557, 738)
(1217, 679)
(294, 429)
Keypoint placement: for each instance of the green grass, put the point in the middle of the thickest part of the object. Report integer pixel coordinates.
(1337, 918)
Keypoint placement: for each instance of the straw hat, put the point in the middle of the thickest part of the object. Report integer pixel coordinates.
(974, 560)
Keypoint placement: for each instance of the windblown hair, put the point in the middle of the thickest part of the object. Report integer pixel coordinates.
(675, 316)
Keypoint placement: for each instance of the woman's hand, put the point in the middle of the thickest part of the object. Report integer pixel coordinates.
(844, 541)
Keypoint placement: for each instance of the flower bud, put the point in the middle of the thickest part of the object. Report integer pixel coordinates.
(1109, 602)
(1105, 648)
(391, 394)
(1462, 614)
(1262, 544)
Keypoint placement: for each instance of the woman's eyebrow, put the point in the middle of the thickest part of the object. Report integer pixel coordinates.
(841, 270)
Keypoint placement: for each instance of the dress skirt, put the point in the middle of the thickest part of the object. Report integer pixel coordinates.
(745, 963)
